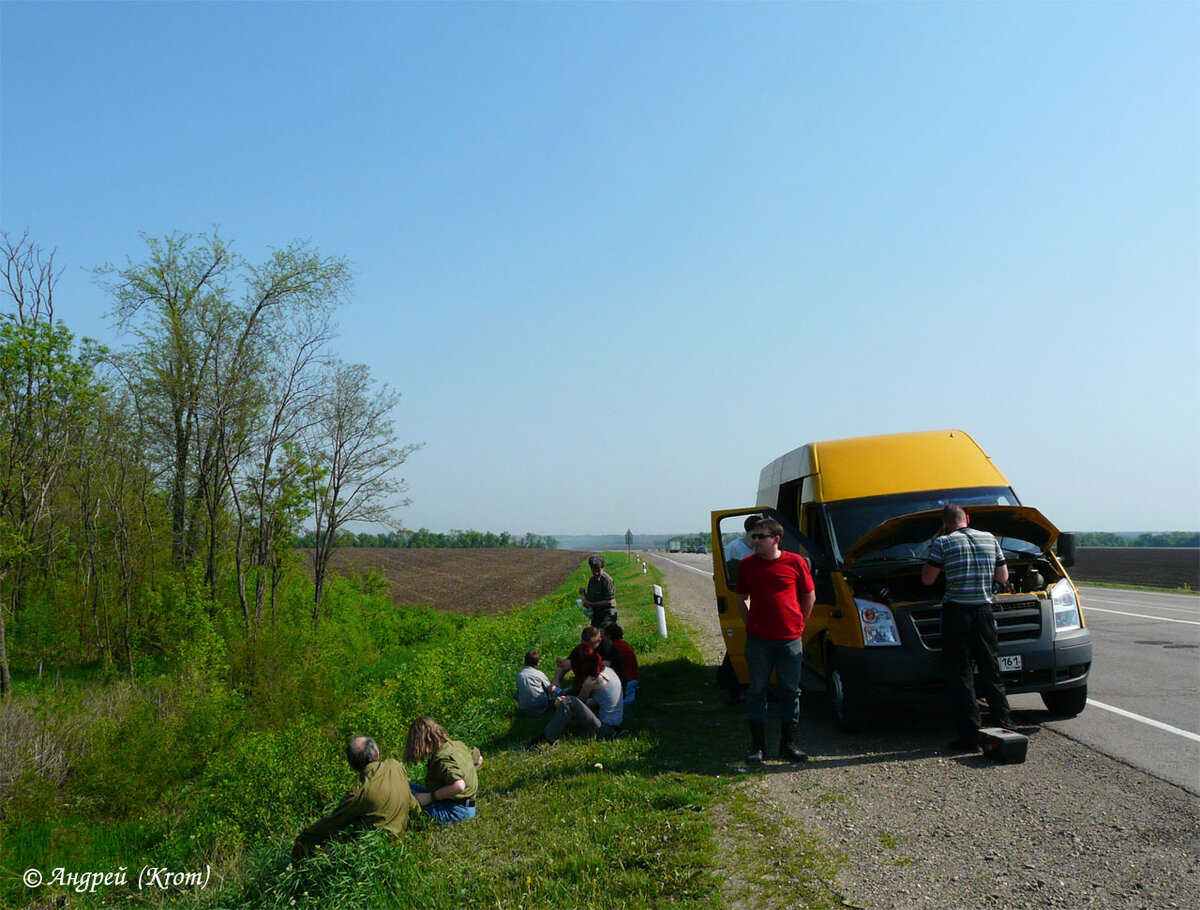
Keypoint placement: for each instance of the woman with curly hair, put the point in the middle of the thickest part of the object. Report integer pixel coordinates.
(451, 775)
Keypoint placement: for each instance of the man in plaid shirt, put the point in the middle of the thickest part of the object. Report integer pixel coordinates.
(972, 561)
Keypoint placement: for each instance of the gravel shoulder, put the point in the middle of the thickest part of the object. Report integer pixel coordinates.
(915, 827)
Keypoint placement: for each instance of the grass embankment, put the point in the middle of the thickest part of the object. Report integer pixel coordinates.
(655, 818)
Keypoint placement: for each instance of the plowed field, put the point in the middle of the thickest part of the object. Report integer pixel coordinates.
(1150, 566)
(463, 580)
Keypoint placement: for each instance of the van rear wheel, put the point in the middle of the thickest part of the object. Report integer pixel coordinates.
(847, 698)
(1066, 702)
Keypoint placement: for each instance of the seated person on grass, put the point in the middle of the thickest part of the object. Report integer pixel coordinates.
(590, 643)
(597, 711)
(534, 689)
(629, 660)
(451, 776)
(381, 799)
(611, 655)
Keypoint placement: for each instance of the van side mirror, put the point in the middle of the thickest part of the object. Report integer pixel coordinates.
(1065, 548)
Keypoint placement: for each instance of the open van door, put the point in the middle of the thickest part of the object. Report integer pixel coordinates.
(727, 526)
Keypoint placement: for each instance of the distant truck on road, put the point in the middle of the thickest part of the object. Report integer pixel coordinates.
(674, 547)
(863, 512)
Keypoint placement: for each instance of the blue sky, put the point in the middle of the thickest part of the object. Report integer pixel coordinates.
(618, 256)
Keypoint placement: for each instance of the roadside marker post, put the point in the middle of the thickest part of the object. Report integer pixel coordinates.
(660, 610)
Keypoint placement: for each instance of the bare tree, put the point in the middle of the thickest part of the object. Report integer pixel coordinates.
(352, 457)
(268, 502)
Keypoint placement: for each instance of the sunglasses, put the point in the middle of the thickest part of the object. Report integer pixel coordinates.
(763, 536)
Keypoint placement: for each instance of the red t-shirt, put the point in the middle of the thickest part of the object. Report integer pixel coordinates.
(628, 660)
(775, 586)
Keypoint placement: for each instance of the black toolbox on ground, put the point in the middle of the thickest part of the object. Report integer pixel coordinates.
(1003, 745)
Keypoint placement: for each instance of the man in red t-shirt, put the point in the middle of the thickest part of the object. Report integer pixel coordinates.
(777, 596)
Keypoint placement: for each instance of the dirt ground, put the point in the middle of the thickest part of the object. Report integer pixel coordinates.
(1156, 567)
(463, 580)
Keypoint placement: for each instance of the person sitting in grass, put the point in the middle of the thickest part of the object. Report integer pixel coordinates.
(382, 799)
(451, 775)
(597, 711)
(591, 643)
(534, 689)
(628, 660)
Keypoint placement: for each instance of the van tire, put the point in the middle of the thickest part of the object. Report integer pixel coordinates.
(846, 697)
(1066, 702)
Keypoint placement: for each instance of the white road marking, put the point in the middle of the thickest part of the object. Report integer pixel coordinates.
(684, 565)
(1114, 591)
(1187, 611)
(1186, 622)
(1186, 734)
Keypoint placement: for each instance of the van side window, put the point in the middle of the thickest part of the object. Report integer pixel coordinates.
(789, 501)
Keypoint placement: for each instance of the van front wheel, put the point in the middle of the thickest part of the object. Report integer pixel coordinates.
(1066, 702)
(847, 698)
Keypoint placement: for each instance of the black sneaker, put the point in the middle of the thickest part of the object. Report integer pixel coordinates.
(755, 757)
(537, 742)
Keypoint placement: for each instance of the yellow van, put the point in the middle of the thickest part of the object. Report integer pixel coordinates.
(863, 512)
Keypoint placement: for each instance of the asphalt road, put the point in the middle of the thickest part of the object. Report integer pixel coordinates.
(1144, 693)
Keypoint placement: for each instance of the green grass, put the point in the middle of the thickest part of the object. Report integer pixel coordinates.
(658, 818)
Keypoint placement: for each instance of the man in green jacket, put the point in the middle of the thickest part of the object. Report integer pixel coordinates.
(382, 799)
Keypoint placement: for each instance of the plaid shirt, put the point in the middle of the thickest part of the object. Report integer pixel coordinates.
(970, 558)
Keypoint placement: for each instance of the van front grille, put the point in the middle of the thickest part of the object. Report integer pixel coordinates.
(1017, 619)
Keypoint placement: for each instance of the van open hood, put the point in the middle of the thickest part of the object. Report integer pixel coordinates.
(1020, 522)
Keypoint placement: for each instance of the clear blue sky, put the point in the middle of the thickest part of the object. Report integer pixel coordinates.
(617, 257)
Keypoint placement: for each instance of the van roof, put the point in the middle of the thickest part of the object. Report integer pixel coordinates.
(878, 465)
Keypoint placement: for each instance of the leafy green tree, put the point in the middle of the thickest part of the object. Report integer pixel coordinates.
(200, 356)
(44, 393)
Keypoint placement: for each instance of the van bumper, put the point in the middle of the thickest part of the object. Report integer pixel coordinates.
(912, 674)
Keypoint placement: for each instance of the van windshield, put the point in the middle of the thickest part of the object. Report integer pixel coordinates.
(852, 518)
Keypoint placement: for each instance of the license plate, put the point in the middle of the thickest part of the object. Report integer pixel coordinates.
(1010, 663)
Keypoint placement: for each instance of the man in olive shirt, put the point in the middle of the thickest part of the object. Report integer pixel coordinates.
(382, 799)
(600, 595)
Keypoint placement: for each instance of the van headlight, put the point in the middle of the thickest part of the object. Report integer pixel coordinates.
(1066, 607)
(878, 624)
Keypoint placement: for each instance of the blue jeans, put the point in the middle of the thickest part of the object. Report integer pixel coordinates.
(444, 810)
(762, 656)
